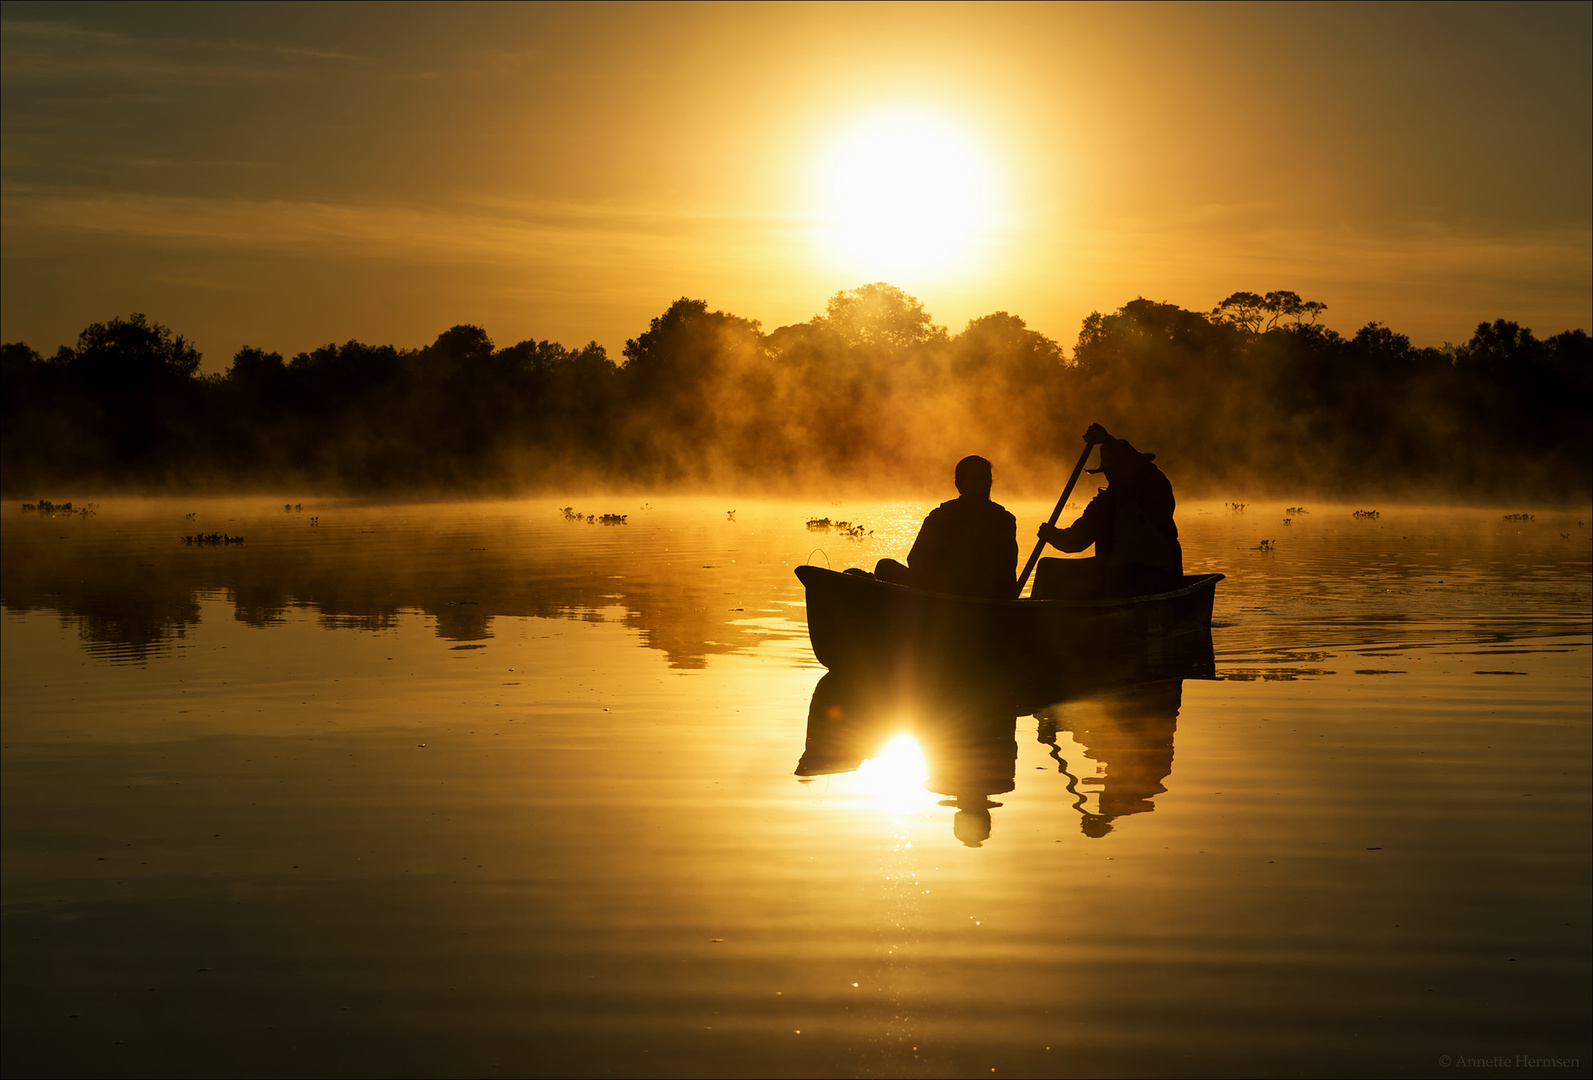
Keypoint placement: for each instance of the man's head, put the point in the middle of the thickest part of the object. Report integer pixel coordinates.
(974, 477)
(1119, 460)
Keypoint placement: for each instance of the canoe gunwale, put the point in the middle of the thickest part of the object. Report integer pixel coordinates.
(861, 623)
(1192, 584)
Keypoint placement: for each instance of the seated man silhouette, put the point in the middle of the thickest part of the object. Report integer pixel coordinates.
(1130, 523)
(967, 546)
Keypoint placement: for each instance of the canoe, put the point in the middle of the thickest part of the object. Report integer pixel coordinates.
(860, 624)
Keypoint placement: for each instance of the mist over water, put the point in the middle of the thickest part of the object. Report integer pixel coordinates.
(872, 397)
(132, 587)
(471, 786)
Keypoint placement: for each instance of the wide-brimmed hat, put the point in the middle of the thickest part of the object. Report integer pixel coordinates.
(1123, 447)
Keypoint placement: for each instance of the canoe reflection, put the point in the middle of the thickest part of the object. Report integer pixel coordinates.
(1120, 711)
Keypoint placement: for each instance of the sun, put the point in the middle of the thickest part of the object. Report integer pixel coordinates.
(904, 196)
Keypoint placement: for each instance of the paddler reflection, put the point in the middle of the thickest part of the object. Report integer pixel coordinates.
(969, 747)
(1127, 734)
(1109, 727)
(969, 761)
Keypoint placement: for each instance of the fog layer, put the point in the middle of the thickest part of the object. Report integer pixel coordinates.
(871, 396)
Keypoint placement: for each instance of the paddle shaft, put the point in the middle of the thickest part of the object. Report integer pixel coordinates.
(1039, 546)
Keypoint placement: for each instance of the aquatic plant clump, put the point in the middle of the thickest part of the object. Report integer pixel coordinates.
(845, 528)
(572, 514)
(212, 540)
(47, 507)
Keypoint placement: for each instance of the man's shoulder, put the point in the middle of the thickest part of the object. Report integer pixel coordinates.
(994, 511)
(981, 512)
(964, 505)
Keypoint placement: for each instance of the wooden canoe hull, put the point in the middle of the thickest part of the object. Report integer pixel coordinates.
(857, 623)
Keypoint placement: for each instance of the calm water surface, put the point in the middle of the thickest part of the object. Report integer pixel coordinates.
(479, 790)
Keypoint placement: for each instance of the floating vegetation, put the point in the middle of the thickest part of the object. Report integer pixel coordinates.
(1518, 517)
(1265, 545)
(572, 514)
(845, 528)
(45, 506)
(1365, 515)
(212, 540)
(1296, 511)
(1235, 507)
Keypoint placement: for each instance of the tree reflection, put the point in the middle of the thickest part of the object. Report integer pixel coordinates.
(134, 593)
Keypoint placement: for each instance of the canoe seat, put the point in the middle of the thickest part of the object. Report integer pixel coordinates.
(1089, 579)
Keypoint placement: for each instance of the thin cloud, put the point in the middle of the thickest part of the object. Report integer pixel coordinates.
(42, 52)
(502, 233)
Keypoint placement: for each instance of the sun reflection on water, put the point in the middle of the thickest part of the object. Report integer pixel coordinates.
(895, 776)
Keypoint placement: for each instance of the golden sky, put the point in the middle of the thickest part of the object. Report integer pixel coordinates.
(286, 176)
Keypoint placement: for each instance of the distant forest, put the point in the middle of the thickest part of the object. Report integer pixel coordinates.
(871, 396)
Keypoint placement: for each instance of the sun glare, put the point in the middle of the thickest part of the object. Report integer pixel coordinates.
(897, 773)
(903, 196)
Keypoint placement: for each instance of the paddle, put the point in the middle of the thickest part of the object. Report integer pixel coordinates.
(1039, 546)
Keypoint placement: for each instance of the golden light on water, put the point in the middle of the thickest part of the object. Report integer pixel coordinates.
(904, 196)
(895, 776)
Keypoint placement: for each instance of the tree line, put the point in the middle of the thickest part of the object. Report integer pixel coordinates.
(870, 395)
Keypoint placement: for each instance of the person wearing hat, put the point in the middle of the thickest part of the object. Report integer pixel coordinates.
(967, 546)
(1129, 523)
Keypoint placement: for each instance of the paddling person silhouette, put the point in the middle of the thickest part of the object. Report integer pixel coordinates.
(1130, 524)
(967, 546)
